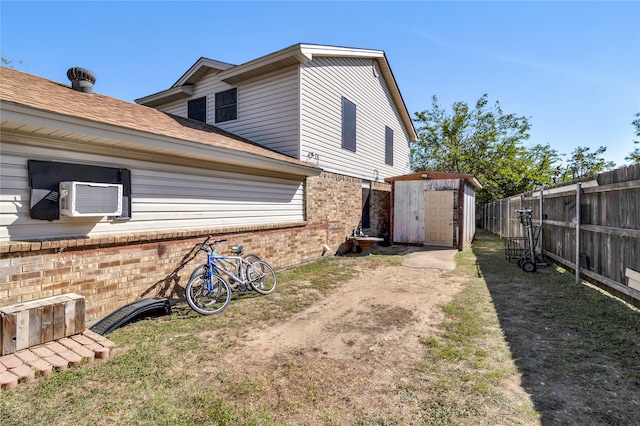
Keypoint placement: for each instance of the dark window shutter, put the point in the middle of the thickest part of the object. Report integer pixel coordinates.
(388, 145)
(348, 125)
(227, 105)
(197, 109)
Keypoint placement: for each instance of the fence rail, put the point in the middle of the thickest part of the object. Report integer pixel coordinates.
(591, 227)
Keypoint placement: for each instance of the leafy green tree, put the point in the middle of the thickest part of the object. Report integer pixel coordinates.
(483, 141)
(7, 62)
(634, 156)
(584, 163)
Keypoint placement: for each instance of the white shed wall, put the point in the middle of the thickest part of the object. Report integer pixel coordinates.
(469, 228)
(164, 197)
(323, 83)
(408, 209)
(408, 212)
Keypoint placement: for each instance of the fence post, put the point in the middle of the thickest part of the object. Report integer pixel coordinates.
(509, 213)
(578, 190)
(501, 226)
(541, 227)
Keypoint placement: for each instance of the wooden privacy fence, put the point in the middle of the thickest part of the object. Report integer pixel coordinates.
(591, 227)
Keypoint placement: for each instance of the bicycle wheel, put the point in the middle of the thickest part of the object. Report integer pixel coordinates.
(251, 258)
(262, 277)
(208, 296)
(200, 269)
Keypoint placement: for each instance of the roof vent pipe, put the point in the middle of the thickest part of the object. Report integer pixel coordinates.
(82, 80)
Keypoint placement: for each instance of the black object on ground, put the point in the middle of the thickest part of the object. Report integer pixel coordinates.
(152, 306)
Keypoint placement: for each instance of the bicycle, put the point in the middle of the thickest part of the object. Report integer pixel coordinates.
(207, 292)
(211, 287)
(237, 250)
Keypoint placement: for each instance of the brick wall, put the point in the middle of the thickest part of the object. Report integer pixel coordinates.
(111, 271)
(380, 210)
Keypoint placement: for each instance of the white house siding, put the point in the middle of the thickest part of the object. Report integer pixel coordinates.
(323, 83)
(267, 109)
(164, 197)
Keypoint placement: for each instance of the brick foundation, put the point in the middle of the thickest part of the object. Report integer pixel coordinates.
(113, 270)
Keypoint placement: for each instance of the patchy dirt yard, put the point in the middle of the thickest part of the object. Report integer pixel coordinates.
(375, 319)
(355, 346)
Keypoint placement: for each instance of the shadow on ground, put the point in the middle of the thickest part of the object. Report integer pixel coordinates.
(577, 349)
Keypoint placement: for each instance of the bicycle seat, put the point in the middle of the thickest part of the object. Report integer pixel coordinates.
(237, 249)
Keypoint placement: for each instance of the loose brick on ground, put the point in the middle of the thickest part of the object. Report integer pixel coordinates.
(8, 380)
(41, 366)
(58, 355)
(72, 358)
(92, 335)
(107, 343)
(10, 361)
(57, 362)
(26, 355)
(87, 354)
(55, 347)
(83, 340)
(100, 351)
(69, 343)
(25, 373)
(98, 338)
(42, 351)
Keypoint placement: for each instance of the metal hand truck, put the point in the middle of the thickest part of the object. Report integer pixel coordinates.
(530, 259)
(524, 248)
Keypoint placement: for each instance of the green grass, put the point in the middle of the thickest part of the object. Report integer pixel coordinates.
(504, 325)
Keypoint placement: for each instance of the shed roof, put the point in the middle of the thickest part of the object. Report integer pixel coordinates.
(471, 179)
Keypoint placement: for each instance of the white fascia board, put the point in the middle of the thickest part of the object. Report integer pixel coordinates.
(123, 138)
(319, 50)
(293, 53)
(165, 96)
(200, 63)
(387, 74)
(183, 88)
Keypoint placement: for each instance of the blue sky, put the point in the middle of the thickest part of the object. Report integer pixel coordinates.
(572, 68)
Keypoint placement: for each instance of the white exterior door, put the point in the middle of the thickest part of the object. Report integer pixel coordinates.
(438, 218)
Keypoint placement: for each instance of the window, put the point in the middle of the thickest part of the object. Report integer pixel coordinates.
(227, 105)
(197, 109)
(45, 178)
(388, 145)
(366, 206)
(348, 124)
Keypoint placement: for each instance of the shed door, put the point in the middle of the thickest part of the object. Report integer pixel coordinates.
(438, 218)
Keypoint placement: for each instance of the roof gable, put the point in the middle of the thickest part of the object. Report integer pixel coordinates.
(296, 54)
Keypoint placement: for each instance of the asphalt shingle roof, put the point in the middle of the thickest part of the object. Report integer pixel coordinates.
(46, 95)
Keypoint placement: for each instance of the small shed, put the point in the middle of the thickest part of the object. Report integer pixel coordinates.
(433, 208)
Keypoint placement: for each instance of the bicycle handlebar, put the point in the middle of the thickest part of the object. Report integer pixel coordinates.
(203, 245)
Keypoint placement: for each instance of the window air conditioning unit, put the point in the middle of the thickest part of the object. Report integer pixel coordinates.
(90, 199)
